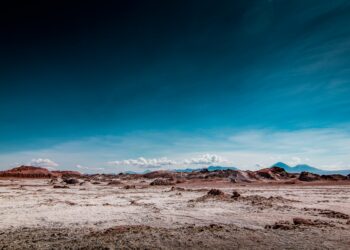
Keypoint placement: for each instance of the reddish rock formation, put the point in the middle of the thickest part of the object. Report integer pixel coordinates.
(27, 172)
(274, 173)
(306, 176)
(36, 172)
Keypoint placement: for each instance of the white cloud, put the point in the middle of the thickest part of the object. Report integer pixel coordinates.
(39, 162)
(142, 162)
(205, 159)
(80, 167)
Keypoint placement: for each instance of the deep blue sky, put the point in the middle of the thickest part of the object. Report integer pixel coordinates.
(153, 74)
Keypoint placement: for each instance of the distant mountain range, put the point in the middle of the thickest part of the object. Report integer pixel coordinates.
(210, 169)
(296, 169)
(306, 168)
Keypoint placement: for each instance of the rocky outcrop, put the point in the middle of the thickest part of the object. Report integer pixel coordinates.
(307, 176)
(274, 173)
(161, 182)
(159, 174)
(37, 172)
(27, 172)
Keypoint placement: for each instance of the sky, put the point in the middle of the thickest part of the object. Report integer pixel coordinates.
(110, 86)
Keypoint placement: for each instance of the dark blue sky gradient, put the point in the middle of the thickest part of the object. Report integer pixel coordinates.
(71, 71)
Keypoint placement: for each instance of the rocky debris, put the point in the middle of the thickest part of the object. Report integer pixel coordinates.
(70, 203)
(307, 176)
(215, 192)
(298, 223)
(85, 183)
(334, 177)
(129, 187)
(328, 213)
(60, 186)
(334, 214)
(264, 202)
(53, 181)
(161, 182)
(282, 225)
(176, 189)
(66, 173)
(348, 222)
(71, 181)
(235, 195)
(160, 174)
(125, 228)
(114, 183)
(302, 221)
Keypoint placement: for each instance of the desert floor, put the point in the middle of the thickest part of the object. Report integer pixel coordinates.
(94, 215)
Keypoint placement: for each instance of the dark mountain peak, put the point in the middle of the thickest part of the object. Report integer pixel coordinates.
(281, 165)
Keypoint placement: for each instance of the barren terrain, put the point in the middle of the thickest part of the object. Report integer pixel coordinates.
(98, 212)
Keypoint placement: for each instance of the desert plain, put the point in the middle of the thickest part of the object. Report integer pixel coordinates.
(155, 211)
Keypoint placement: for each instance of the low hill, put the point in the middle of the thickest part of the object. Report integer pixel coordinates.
(36, 172)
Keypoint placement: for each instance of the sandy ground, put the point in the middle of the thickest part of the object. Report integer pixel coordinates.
(34, 215)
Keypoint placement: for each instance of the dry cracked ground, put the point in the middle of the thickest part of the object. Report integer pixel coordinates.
(102, 215)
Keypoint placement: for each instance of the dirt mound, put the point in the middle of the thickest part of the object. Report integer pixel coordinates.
(129, 187)
(159, 174)
(177, 189)
(216, 194)
(333, 214)
(264, 202)
(282, 225)
(235, 195)
(114, 183)
(27, 172)
(71, 181)
(60, 186)
(161, 182)
(300, 223)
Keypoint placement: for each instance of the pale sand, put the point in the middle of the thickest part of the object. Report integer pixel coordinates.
(28, 206)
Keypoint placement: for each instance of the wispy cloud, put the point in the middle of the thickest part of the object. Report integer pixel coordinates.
(164, 162)
(39, 162)
(142, 162)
